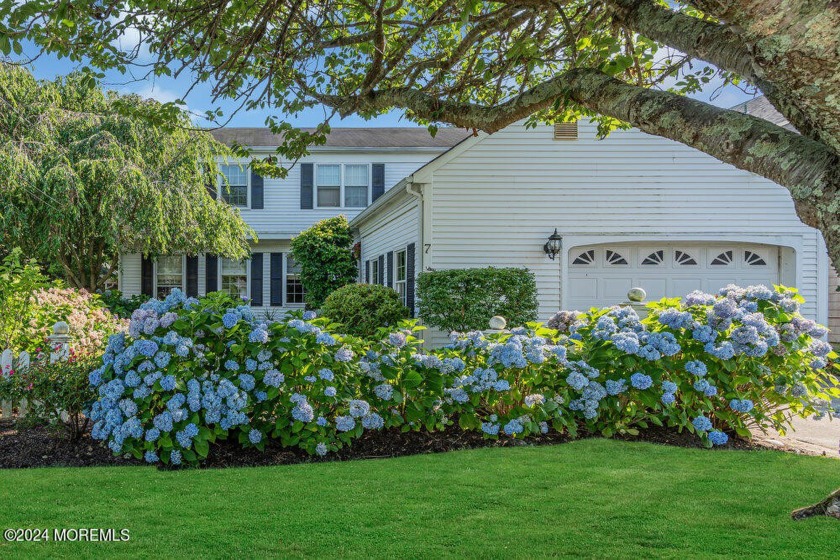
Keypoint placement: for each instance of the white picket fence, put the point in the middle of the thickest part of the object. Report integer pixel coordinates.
(9, 365)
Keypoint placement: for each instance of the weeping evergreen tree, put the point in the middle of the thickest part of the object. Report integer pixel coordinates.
(85, 177)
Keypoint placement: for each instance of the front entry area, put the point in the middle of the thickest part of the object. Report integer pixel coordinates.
(601, 275)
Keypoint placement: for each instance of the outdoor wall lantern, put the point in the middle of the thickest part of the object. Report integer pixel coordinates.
(554, 245)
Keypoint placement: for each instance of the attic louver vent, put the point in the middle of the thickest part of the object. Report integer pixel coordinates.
(566, 131)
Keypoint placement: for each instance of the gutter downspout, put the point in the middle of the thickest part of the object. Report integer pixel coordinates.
(416, 190)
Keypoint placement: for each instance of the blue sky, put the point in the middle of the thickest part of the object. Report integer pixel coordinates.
(169, 89)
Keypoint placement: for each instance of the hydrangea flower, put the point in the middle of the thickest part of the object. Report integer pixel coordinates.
(359, 408)
(696, 367)
(384, 391)
(397, 339)
(716, 437)
(616, 387)
(330, 391)
(321, 449)
(372, 421)
(669, 387)
(255, 436)
(167, 383)
(344, 423)
(230, 319)
(326, 374)
(175, 457)
(741, 405)
(702, 424)
(668, 399)
(151, 457)
(641, 381)
(534, 400)
(490, 428)
(273, 378)
(514, 427)
(344, 354)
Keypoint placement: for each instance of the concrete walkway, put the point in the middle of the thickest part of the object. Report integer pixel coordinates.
(809, 437)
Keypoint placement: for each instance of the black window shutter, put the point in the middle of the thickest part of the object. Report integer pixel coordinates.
(211, 275)
(257, 279)
(146, 276)
(257, 191)
(192, 276)
(276, 280)
(389, 275)
(409, 278)
(381, 272)
(378, 180)
(367, 271)
(306, 174)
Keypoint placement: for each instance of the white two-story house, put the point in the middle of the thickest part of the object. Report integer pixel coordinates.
(346, 175)
(630, 210)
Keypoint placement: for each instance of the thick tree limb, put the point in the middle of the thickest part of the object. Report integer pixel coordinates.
(796, 46)
(809, 169)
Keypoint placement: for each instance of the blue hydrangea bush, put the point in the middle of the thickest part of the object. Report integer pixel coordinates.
(191, 372)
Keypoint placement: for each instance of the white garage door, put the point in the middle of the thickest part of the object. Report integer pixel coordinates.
(601, 275)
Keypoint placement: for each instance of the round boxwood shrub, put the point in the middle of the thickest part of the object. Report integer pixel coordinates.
(362, 309)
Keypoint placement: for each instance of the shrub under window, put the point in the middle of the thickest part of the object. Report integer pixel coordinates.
(362, 309)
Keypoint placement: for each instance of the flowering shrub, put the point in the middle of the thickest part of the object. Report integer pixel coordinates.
(56, 393)
(191, 372)
(91, 323)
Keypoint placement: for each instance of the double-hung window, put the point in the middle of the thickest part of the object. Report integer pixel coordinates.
(234, 277)
(400, 274)
(294, 287)
(234, 185)
(374, 271)
(329, 186)
(342, 185)
(356, 183)
(169, 275)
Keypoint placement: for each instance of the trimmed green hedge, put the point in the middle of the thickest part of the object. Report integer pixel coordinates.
(466, 298)
(362, 309)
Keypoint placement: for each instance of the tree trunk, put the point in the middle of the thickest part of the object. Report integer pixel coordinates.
(829, 506)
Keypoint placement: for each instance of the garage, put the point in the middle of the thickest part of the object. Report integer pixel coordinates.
(601, 275)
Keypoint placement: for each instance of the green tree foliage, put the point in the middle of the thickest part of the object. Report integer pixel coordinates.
(363, 309)
(84, 178)
(19, 281)
(465, 299)
(324, 253)
(486, 64)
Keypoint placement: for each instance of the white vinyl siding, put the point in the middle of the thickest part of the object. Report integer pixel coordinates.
(282, 217)
(498, 201)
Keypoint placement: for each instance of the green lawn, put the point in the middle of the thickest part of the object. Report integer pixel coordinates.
(591, 498)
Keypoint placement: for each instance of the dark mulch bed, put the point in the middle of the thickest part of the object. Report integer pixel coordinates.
(22, 447)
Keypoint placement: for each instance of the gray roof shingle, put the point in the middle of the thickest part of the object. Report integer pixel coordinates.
(373, 137)
(762, 108)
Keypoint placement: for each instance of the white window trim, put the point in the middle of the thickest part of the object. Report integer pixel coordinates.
(396, 281)
(340, 187)
(247, 276)
(286, 302)
(374, 271)
(183, 274)
(221, 185)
